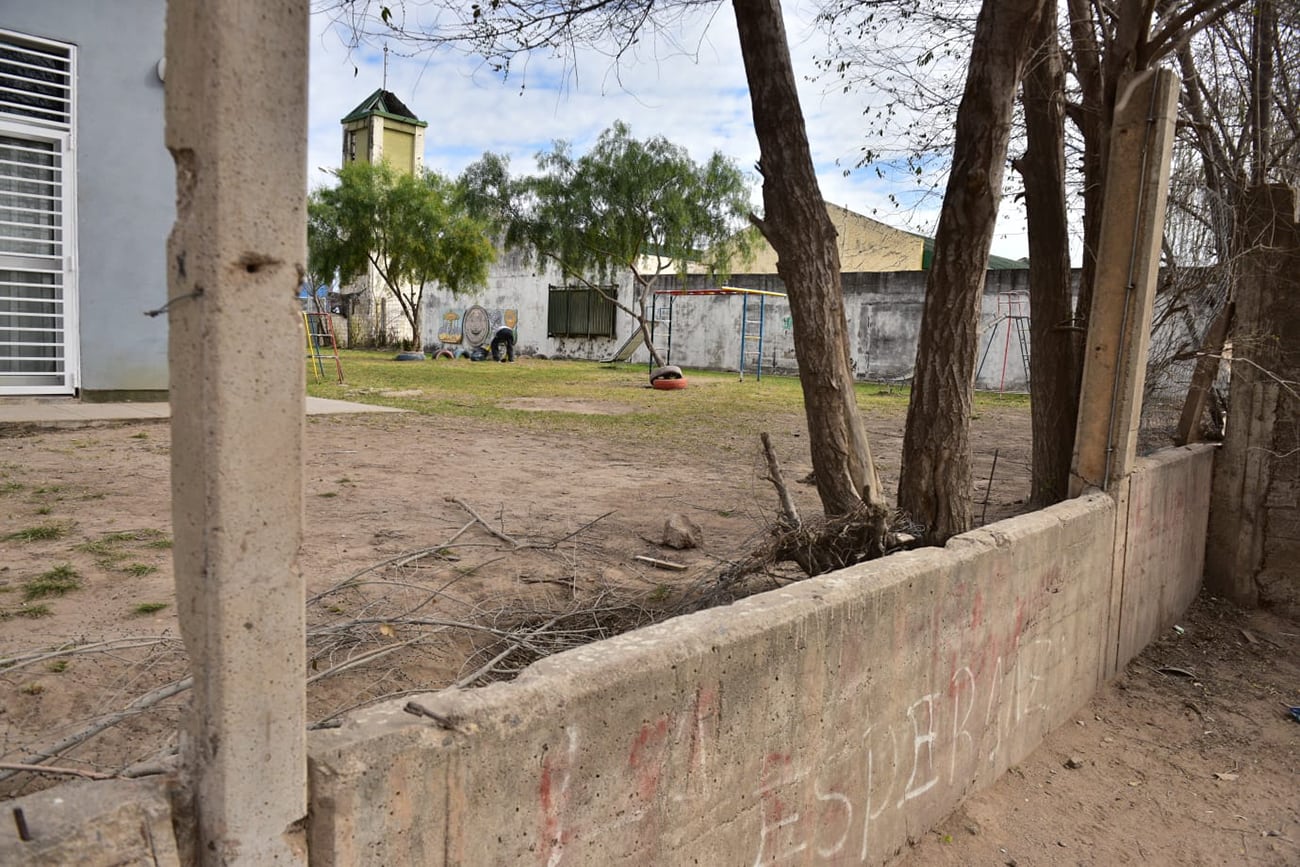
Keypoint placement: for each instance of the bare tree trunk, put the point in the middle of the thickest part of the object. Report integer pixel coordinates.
(1093, 121)
(1263, 44)
(643, 322)
(935, 484)
(1054, 341)
(797, 226)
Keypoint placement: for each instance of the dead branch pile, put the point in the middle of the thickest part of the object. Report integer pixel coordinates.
(398, 627)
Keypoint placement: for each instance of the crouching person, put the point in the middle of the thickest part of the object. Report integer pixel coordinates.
(503, 341)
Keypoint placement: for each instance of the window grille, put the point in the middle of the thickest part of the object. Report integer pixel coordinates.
(35, 81)
(580, 312)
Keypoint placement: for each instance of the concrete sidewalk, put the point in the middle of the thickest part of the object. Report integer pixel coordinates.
(71, 413)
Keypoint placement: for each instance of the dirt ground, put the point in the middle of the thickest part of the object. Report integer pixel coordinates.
(430, 597)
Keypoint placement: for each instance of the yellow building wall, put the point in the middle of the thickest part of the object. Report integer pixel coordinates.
(359, 149)
(399, 149)
(865, 245)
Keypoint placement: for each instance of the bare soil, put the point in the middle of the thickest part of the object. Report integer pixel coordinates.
(388, 506)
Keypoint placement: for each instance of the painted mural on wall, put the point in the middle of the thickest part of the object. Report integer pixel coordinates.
(474, 326)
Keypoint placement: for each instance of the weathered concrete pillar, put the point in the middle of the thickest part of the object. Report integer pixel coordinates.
(236, 126)
(1128, 259)
(1253, 553)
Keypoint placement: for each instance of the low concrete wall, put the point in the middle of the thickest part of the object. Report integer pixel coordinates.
(829, 721)
(104, 824)
(1162, 542)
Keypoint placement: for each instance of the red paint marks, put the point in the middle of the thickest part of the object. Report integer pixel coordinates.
(977, 610)
(646, 758)
(774, 765)
(705, 708)
(553, 793)
(1020, 622)
(544, 787)
(550, 816)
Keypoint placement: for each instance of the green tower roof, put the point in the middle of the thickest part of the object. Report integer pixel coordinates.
(385, 104)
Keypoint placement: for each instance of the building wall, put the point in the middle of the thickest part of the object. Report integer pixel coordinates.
(864, 244)
(125, 183)
(399, 147)
(883, 310)
(519, 283)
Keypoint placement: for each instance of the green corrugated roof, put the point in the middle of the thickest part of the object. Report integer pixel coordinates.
(386, 104)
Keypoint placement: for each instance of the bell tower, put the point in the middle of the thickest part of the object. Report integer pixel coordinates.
(383, 128)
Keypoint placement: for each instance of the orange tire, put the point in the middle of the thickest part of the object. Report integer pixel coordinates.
(669, 384)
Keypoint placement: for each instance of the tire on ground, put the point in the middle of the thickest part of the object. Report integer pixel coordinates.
(670, 371)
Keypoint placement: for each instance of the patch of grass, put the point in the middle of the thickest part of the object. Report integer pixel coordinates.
(57, 666)
(10, 487)
(31, 612)
(108, 548)
(48, 489)
(58, 581)
(714, 409)
(139, 570)
(97, 496)
(328, 494)
(149, 608)
(39, 533)
(44, 510)
(142, 435)
(31, 689)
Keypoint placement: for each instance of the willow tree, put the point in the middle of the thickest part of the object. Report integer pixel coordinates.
(627, 206)
(408, 230)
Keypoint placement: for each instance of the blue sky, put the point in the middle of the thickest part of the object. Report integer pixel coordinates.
(689, 87)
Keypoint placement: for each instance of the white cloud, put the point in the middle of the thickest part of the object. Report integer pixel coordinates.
(689, 87)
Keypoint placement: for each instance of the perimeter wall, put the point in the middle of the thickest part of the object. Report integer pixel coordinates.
(826, 722)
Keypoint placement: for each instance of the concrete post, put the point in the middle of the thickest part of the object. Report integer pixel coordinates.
(1253, 551)
(236, 82)
(1128, 259)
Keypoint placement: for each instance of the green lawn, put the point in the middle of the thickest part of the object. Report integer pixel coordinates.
(480, 392)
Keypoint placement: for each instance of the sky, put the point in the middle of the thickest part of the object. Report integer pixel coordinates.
(689, 87)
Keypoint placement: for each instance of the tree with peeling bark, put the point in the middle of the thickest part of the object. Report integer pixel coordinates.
(935, 479)
(795, 221)
(643, 208)
(1055, 336)
(798, 227)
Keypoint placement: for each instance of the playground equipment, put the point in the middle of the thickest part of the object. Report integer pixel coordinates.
(752, 310)
(318, 326)
(1013, 313)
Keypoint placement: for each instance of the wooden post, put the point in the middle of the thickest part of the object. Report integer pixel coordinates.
(1128, 259)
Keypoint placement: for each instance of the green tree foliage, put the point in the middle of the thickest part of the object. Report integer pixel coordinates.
(409, 230)
(626, 206)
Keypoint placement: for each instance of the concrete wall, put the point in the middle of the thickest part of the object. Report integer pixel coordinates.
(827, 722)
(519, 283)
(883, 311)
(125, 182)
(1254, 547)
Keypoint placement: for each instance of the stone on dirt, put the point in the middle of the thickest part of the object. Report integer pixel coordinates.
(681, 532)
